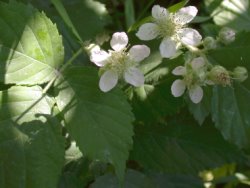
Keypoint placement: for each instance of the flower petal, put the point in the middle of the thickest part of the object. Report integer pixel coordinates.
(196, 94)
(180, 70)
(185, 15)
(119, 41)
(134, 76)
(190, 36)
(139, 52)
(148, 31)
(168, 48)
(159, 12)
(178, 88)
(98, 56)
(197, 63)
(108, 80)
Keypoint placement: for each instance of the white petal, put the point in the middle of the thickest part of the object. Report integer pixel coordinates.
(108, 80)
(134, 76)
(190, 36)
(185, 15)
(178, 88)
(168, 48)
(180, 70)
(119, 41)
(148, 31)
(198, 63)
(98, 56)
(159, 12)
(196, 94)
(139, 52)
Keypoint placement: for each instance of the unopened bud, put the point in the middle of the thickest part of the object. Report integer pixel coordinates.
(240, 74)
(227, 35)
(209, 43)
(219, 75)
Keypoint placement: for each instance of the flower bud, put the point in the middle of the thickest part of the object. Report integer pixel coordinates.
(240, 74)
(209, 43)
(227, 35)
(219, 75)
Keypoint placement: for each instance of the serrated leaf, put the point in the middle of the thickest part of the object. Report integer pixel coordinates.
(230, 112)
(181, 147)
(30, 47)
(234, 103)
(63, 13)
(233, 13)
(31, 145)
(101, 123)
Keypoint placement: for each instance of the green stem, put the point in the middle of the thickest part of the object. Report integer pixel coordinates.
(69, 62)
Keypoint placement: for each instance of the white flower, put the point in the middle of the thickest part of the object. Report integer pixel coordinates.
(119, 63)
(193, 77)
(172, 28)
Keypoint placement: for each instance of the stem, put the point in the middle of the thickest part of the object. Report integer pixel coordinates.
(69, 62)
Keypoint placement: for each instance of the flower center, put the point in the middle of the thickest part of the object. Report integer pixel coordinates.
(117, 62)
(167, 27)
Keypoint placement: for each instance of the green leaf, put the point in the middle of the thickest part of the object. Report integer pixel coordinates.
(133, 179)
(235, 54)
(63, 13)
(230, 112)
(201, 19)
(211, 5)
(30, 47)
(101, 123)
(31, 145)
(181, 147)
(233, 13)
(136, 179)
(129, 12)
(175, 181)
(137, 24)
(231, 102)
(201, 110)
(178, 6)
(24, 104)
(89, 17)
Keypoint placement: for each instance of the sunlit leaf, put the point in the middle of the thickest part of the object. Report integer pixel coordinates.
(30, 47)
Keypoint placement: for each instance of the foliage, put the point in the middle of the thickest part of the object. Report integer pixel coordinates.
(58, 129)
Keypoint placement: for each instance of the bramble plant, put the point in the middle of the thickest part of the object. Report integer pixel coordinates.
(117, 93)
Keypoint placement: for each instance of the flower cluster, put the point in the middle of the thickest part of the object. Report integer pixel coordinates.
(120, 63)
(198, 73)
